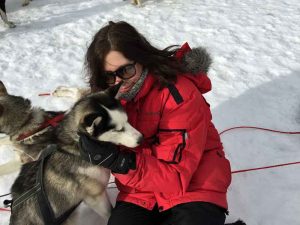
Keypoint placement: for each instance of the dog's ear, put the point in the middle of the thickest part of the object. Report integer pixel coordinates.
(91, 121)
(3, 90)
(112, 91)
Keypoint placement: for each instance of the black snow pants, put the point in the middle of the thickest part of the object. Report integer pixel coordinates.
(193, 213)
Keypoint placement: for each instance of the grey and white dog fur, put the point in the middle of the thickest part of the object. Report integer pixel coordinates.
(68, 179)
(3, 12)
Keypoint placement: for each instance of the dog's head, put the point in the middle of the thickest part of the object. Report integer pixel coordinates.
(14, 111)
(102, 117)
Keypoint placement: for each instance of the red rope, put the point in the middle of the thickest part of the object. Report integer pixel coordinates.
(265, 129)
(236, 171)
(5, 210)
(48, 122)
(258, 128)
(264, 167)
(44, 94)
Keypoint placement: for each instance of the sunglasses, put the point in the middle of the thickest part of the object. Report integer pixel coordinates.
(124, 72)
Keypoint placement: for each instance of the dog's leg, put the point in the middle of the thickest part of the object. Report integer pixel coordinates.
(23, 156)
(4, 18)
(5, 141)
(100, 204)
(13, 165)
(10, 167)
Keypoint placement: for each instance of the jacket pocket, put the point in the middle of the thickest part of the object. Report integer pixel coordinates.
(169, 145)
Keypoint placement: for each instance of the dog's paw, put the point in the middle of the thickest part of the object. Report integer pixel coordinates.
(63, 91)
(69, 92)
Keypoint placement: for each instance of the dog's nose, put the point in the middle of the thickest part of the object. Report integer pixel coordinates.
(140, 140)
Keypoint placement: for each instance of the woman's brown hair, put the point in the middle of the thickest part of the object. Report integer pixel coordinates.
(123, 37)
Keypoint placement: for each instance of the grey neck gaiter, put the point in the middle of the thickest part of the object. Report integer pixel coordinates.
(128, 96)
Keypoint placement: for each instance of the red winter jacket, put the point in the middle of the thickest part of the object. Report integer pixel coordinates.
(182, 159)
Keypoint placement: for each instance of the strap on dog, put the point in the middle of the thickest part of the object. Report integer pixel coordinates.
(25, 196)
(37, 187)
(49, 122)
(43, 201)
(39, 190)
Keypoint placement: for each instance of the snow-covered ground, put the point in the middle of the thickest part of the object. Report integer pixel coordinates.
(255, 47)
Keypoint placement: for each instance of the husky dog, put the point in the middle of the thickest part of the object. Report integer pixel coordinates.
(27, 120)
(21, 122)
(67, 178)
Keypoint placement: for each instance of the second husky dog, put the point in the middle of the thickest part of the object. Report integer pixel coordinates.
(26, 127)
(66, 178)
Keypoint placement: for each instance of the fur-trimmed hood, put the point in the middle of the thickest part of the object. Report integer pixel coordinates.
(196, 63)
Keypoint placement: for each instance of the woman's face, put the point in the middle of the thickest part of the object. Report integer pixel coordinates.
(115, 60)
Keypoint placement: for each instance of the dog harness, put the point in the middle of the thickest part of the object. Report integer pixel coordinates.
(39, 190)
(47, 124)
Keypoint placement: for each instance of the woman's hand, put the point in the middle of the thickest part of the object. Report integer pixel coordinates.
(106, 154)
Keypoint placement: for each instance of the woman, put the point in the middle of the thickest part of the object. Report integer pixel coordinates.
(179, 175)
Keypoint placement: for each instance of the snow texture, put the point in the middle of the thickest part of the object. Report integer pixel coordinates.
(255, 48)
